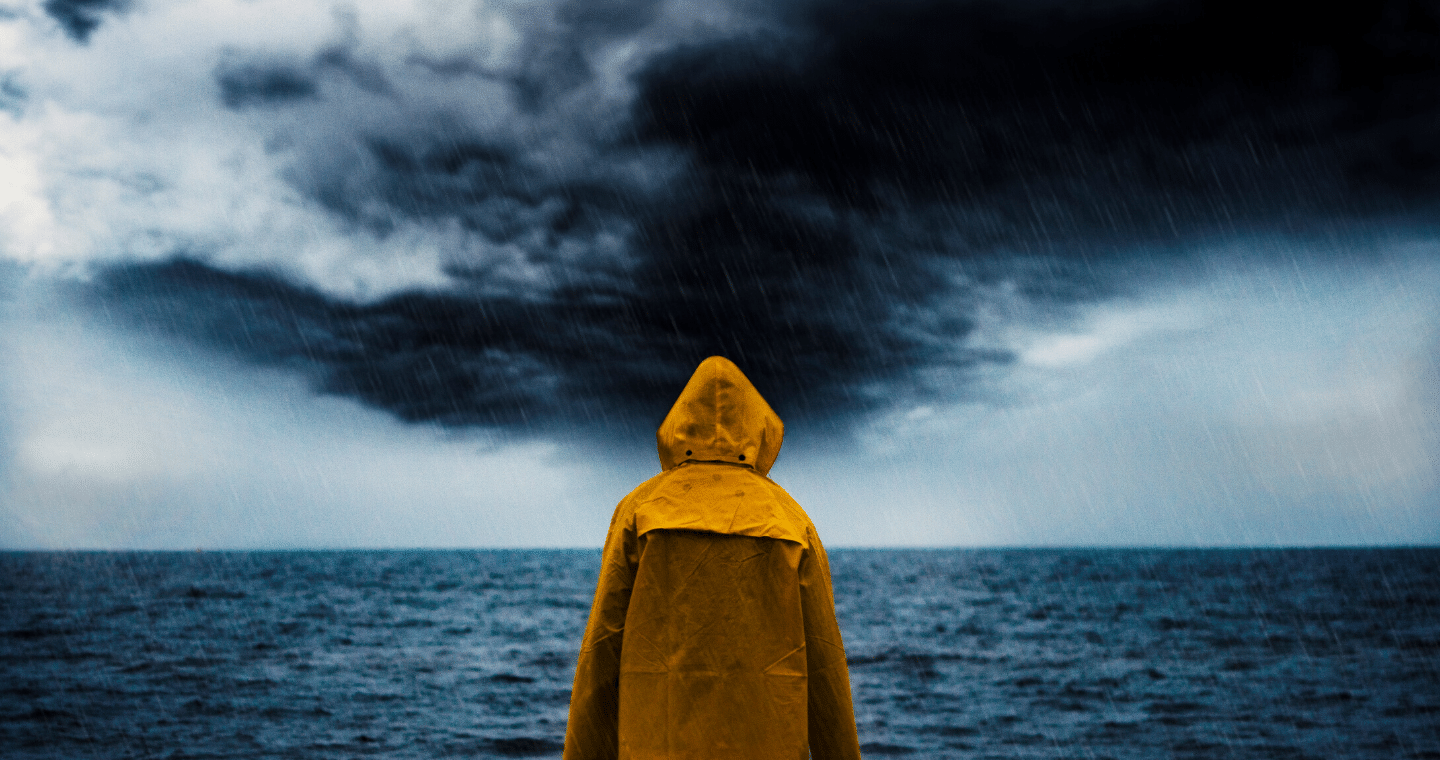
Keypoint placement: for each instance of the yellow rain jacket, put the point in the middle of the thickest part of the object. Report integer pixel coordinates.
(713, 631)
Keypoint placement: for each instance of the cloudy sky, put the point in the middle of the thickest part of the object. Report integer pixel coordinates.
(430, 272)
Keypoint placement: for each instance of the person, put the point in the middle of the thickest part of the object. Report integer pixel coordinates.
(713, 631)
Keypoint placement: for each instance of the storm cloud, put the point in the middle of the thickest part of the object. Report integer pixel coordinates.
(79, 18)
(581, 202)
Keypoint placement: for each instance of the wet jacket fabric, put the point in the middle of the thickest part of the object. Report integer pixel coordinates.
(713, 631)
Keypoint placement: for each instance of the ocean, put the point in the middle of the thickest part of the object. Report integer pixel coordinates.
(1273, 653)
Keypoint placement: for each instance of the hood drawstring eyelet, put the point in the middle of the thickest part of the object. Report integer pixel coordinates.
(742, 457)
(687, 452)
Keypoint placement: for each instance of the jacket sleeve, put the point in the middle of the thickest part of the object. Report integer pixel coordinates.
(831, 712)
(592, 732)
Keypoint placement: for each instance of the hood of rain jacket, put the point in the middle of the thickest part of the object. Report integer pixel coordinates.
(713, 630)
(720, 417)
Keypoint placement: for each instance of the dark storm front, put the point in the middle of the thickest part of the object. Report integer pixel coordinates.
(1065, 653)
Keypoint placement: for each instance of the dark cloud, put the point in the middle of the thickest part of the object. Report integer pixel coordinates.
(1065, 119)
(555, 59)
(82, 17)
(254, 84)
(245, 82)
(341, 60)
(842, 185)
(579, 357)
(13, 94)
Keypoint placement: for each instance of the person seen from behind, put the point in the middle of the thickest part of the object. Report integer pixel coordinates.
(713, 631)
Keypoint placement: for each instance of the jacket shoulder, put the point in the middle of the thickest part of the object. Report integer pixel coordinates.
(716, 498)
(625, 510)
(783, 497)
(800, 518)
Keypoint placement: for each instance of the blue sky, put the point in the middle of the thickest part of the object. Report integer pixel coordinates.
(428, 274)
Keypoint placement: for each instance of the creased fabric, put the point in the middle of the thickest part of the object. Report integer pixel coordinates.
(713, 631)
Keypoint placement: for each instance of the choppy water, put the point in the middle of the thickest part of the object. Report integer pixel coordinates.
(954, 654)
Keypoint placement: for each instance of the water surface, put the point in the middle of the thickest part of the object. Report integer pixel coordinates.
(954, 653)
